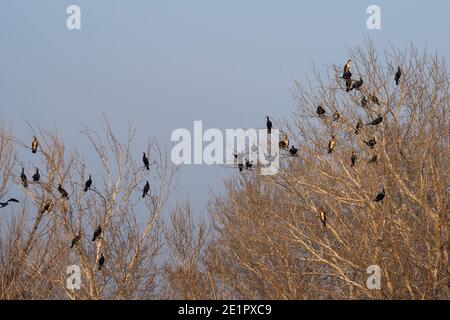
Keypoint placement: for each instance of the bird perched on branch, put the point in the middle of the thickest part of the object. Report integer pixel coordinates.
(36, 176)
(320, 111)
(374, 158)
(375, 121)
(371, 143)
(240, 167)
(363, 102)
(4, 204)
(398, 75)
(34, 145)
(348, 84)
(336, 116)
(284, 143)
(269, 125)
(331, 144)
(248, 165)
(145, 160)
(323, 217)
(101, 261)
(380, 196)
(347, 74)
(374, 99)
(75, 240)
(47, 207)
(146, 189)
(358, 84)
(63, 192)
(354, 158)
(293, 150)
(23, 178)
(359, 125)
(97, 233)
(88, 184)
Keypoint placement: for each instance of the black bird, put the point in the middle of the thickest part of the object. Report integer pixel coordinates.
(47, 207)
(241, 167)
(371, 143)
(36, 176)
(145, 160)
(63, 192)
(380, 196)
(87, 184)
(336, 116)
(354, 158)
(348, 84)
(375, 121)
(359, 125)
(101, 261)
(320, 111)
(34, 145)
(398, 75)
(75, 240)
(374, 99)
(374, 158)
(146, 189)
(331, 144)
(97, 233)
(23, 177)
(269, 125)
(4, 204)
(363, 102)
(323, 217)
(347, 74)
(293, 150)
(358, 84)
(248, 165)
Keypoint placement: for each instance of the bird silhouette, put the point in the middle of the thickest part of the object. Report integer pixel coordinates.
(398, 75)
(375, 121)
(374, 158)
(97, 233)
(354, 158)
(75, 240)
(4, 204)
(371, 143)
(347, 74)
(380, 196)
(248, 165)
(323, 217)
(145, 160)
(240, 166)
(320, 111)
(348, 84)
(293, 150)
(146, 189)
(284, 143)
(23, 177)
(34, 145)
(36, 176)
(88, 184)
(358, 84)
(269, 125)
(331, 144)
(101, 261)
(363, 102)
(63, 192)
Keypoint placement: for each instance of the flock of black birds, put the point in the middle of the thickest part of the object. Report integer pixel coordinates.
(321, 112)
(48, 206)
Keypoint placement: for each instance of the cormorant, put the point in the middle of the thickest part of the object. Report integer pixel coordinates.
(97, 233)
(87, 184)
(36, 176)
(293, 151)
(23, 177)
(34, 145)
(376, 121)
(371, 143)
(358, 84)
(374, 158)
(101, 261)
(398, 75)
(75, 241)
(347, 74)
(269, 125)
(363, 102)
(63, 192)
(320, 111)
(145, 160)
(240, 166)
(331, 144)
(380, 196)
(146, 189)
(248, 165)
(354, 158)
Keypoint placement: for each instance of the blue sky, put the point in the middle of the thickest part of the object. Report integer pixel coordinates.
(163, 64)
